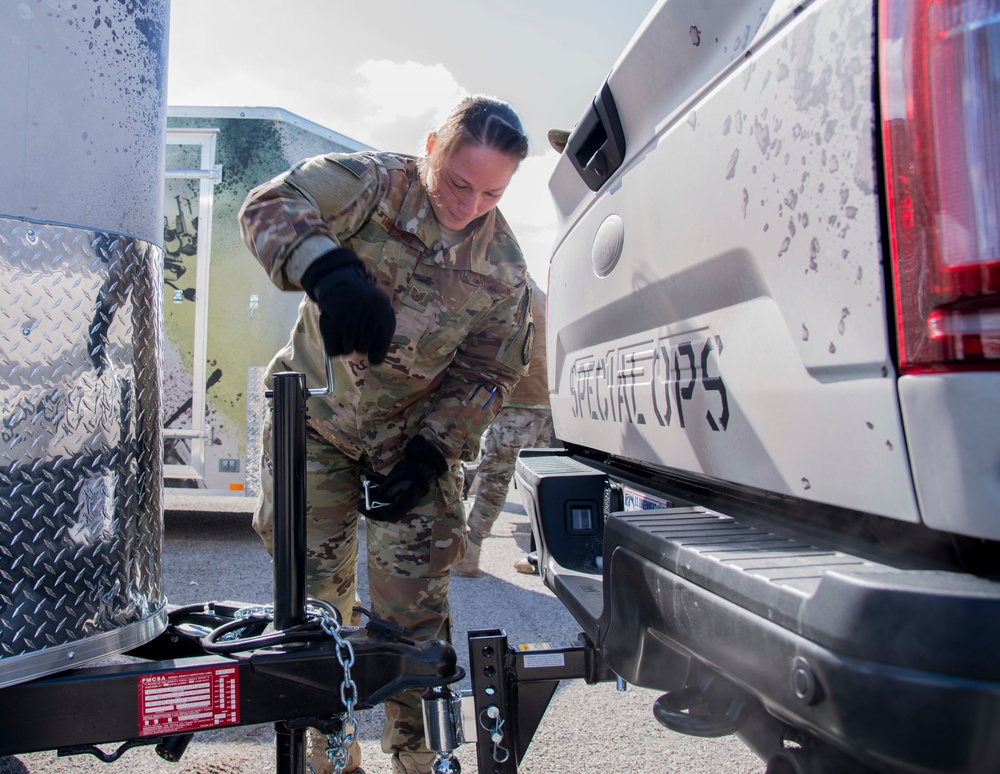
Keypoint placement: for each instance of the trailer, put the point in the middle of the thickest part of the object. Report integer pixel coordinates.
(81, 155)
(223, 320)
(92, 290)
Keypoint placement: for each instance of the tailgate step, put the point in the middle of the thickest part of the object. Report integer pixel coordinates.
(854, 606)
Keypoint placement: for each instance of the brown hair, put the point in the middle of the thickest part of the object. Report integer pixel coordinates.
(480, 119)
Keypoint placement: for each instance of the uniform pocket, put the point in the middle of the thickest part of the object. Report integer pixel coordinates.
(436, 312)
(454, 323)
(413, 317)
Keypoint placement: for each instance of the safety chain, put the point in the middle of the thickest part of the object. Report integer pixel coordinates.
(492, 713)
(337, 751)
(337, 744)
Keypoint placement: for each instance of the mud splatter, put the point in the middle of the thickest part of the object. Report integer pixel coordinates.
(814, 255)
(731, 166)
(844, 314)
(763, 135)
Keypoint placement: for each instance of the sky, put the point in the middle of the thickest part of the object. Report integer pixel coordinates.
(386, 72)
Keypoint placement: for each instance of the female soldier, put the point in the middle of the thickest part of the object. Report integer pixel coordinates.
(417, 288)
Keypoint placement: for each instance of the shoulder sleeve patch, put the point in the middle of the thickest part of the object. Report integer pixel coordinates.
(516, 351)
(529, 344)
(351, 164)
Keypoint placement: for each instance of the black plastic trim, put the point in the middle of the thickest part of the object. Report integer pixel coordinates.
(892, 718)
(596, 146)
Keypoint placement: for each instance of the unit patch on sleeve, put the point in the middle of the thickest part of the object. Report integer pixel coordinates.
(529, 344)
(516, 350)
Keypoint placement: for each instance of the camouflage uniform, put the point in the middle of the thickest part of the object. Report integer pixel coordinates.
(525, 421)
(463, 339)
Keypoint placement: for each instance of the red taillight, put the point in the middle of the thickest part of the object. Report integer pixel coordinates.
(940, 98)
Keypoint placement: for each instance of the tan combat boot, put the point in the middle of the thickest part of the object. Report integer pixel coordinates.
(469, 565)
(524, 565)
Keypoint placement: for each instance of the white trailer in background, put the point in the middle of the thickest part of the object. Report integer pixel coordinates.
(223, 319)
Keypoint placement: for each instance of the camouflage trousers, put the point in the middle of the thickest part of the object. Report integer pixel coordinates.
(407, 563)
(513, 429)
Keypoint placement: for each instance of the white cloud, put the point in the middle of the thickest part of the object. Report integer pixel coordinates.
(527, 206)
(527, 197)
(402, 101)
(537, 248)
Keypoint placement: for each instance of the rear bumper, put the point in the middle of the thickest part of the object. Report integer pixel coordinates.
(896, 667)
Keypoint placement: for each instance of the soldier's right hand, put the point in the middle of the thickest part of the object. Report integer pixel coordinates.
(355, 316)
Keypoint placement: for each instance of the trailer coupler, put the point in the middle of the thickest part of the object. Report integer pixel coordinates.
(218, 665)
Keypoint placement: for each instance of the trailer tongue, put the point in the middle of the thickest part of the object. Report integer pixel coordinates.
(223, 664)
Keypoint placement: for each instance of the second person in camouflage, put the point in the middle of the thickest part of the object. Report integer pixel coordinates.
(417, 289)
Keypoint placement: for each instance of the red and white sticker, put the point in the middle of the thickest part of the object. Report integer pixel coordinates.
(186, 701)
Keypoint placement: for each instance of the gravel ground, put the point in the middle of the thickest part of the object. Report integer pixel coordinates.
(216, 556)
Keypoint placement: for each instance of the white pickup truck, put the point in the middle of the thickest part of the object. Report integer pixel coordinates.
(774, 359)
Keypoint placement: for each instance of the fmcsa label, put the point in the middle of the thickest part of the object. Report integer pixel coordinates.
(187, 701)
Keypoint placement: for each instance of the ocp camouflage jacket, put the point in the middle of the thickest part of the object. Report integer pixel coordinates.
(463, 321)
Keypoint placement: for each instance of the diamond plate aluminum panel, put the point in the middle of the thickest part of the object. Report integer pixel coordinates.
(80, 446)
(257, 408)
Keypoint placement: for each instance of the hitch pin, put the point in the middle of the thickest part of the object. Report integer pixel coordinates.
(370, 502)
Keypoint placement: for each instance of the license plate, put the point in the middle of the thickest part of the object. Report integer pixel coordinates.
(640, 501)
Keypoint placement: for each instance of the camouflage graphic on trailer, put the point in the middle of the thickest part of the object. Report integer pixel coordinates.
(248, 318)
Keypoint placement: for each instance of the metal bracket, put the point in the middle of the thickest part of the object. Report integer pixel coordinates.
(512, 688)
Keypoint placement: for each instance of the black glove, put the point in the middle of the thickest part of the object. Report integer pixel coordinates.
(408, 481)
(355, 316)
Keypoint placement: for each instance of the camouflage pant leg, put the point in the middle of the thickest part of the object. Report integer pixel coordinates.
(408, 577)
(408, 562)
(332, 493)
(512, 430)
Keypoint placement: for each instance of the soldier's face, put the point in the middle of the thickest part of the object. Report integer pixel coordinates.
(468, 184)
